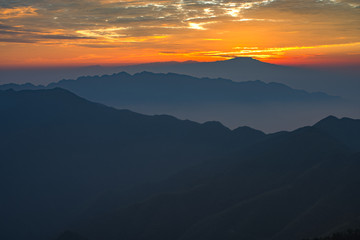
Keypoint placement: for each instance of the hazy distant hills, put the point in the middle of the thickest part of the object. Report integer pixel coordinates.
(248, 69)
(102, 173)
(204, 99)
(237, 69)
(163, 89)
(264, 90)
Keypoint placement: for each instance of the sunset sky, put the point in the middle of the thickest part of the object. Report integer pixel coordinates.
(113, 32)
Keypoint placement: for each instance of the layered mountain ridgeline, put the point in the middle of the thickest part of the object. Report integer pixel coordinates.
(204, 99)
(18, 87)
(249, 69)
(60, 153)
(102, 173)
(237, 69)
(146, 87)
(291, 185)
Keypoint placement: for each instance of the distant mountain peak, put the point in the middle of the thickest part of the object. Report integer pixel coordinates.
(327, 120)
(122, 73)
(144, 73)
(346, 130)
(248, 131)
(330, 118)
(214, 124)
(242, 60)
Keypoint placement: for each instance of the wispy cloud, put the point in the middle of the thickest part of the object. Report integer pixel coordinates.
(258, 52)
(180, 24)
(79, 17)
(17, 12)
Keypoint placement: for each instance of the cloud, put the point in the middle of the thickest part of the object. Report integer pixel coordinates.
(199, 26)
(17, 12)
(77, 15)
(16, 40)
(273, 52)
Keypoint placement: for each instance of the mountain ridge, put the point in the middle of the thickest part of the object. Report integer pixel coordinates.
(63, 147)
(288, 165)
(237, 69)
(204, 99)
(108, 173)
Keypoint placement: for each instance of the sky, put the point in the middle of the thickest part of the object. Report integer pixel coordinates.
(112, 32)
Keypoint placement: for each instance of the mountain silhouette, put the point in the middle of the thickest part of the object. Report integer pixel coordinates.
(75, 169)
(345, 130)
(149, 89)
(205, 99)
(123, 88)
(60, 152)
(290, 185)
(249, 69)
(238, 69)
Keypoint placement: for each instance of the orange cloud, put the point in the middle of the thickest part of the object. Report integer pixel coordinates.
(6, 13)
(168, 30)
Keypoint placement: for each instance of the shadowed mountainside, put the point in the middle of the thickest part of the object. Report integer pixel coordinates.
(291, 185)
(349, 234)
(103, 173)
(60, 152)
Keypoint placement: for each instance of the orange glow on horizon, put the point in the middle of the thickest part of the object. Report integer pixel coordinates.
(109, 32)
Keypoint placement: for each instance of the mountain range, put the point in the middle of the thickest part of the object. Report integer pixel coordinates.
(206, 99)
(60, 152)
(123, 88)
(75, 169)
(238, 69)
(288, 186)
(248, 69)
